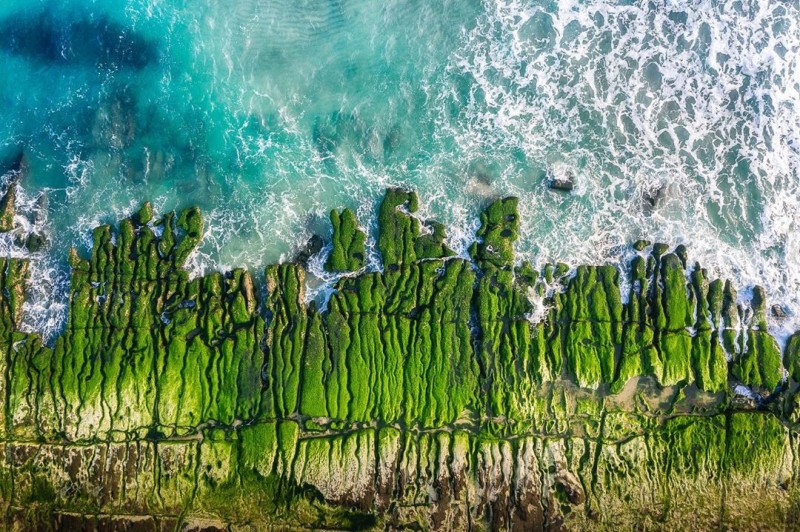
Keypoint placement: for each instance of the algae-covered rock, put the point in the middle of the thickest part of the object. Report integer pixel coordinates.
(397, 229)
(760, 365)
(791, 358)
(499, 230)
(144, 215)
(349, 243)
(431, 245)
(438, 393)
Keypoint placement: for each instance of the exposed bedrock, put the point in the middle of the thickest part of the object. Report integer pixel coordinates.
(423, 395)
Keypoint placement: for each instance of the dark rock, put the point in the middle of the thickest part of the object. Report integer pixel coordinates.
(312, 247)
(94, 40)
(562, 181)
(744, 402)
(653, 198)
(659, 249)
(682, 254)
(35, 242)
(641, 245)
(779, 311)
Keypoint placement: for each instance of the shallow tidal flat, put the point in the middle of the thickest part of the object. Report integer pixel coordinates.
(439, 392)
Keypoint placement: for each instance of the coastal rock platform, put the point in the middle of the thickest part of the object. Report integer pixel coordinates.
(428, 393)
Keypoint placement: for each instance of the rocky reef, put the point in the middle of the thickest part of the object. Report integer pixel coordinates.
(441, 392)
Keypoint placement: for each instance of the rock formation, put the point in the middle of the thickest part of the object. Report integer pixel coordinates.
(424, 395)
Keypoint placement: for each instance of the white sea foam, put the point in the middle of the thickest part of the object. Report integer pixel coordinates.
(696, 100)
(45, 307)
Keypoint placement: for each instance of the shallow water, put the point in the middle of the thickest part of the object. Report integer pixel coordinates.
(680, 122)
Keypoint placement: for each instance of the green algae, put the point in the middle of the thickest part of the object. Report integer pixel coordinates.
(349, 251)
(248, 392)
(499, 229)
(791, 358)
(347, 362)
(398, 229)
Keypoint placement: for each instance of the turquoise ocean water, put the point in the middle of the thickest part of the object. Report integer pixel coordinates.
(679, 120)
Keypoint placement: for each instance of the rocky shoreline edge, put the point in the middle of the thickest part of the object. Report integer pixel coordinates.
(425, 395)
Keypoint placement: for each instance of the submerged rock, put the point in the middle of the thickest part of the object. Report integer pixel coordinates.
(95, 40)
(35, 242)
(780, 311)
(393, 140)
(312, 247)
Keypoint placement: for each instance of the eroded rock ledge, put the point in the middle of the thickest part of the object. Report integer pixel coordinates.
(422, 396)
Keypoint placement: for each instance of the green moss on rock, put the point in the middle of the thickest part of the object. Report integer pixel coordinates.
(791, 359)
(397, 229)
(349, 243)
(498, 232)
(436, 376)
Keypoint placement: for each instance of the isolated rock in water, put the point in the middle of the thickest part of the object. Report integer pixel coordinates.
(779, 311)
(561, 179)
(682, 253)
(652, 197)
(35, 242)
(655, 196)
(312, 247)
